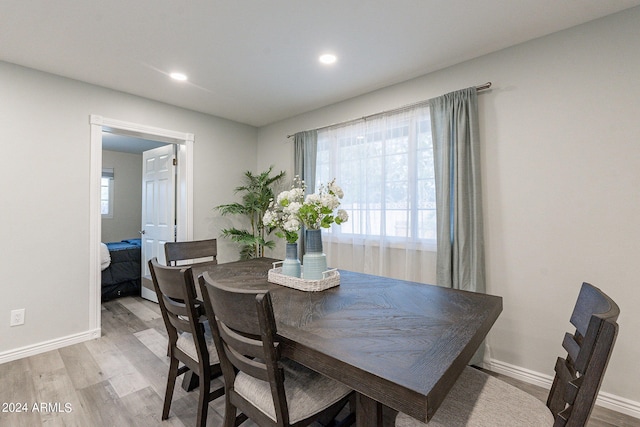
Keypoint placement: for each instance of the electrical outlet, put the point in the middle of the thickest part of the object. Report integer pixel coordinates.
(17, 317)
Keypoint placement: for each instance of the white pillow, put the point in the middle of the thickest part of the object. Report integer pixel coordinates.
(105, 257)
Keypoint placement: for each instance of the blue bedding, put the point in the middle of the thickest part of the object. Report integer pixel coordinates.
(124, 244)
(122, 277)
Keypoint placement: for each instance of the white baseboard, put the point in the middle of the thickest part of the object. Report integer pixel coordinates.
(32, 350)
(606, 400)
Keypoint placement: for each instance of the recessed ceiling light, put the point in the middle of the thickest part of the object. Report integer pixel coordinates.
(327, 58)
(178, 76)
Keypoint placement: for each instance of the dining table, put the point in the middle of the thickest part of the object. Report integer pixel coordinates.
(396, 343)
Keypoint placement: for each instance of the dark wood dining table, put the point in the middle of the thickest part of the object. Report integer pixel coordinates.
(396, 343)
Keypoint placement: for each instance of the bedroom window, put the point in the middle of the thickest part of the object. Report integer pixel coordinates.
(106, 193)
(384, 165)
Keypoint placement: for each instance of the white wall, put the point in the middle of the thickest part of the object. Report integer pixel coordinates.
(44, 183)
(561, 172)
(127, 196)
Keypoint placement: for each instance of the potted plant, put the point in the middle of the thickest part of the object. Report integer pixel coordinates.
(257, 193)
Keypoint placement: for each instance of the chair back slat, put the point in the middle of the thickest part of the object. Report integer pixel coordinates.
(592, 300)
(196, 250)
(249, 365)
(564, 373)
(181, 324)
(571, 345)
(175, 306)
(250, 346)
(572, 389)
(579, 376)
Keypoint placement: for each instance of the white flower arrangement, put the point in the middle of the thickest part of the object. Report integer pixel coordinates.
(283, 212)
(319, 209)
(291, 210)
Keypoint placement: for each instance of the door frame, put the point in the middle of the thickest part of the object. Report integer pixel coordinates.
(184, 193)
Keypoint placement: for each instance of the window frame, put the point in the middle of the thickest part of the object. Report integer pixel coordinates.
(108, 177)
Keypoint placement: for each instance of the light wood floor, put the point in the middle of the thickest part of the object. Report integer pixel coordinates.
(120, 378)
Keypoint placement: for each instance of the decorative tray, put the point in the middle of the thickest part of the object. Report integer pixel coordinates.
(331, 278)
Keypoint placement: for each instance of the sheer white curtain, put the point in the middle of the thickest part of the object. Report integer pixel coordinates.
(384, 164)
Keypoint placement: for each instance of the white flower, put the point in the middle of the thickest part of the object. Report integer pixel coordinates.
(296, 194)
(268, 218)
(330, 201)
(292, 208)
(312, 199)
(282, 197)
(335, 189)
(292, 224)
(342, 215)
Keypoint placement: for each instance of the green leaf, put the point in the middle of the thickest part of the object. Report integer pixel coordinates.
(256, 194)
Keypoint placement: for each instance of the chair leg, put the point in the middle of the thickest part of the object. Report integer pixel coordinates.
(203, 398)
(171, 382)
(229, 413)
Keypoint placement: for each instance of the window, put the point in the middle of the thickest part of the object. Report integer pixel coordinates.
(106, 193)
(385, 167)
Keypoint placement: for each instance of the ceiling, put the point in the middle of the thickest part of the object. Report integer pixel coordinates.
(128, 144)
(255, 62)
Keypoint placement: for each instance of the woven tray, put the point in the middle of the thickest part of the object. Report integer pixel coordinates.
(331, 279)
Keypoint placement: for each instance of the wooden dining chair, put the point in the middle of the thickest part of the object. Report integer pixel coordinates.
(269, 389)
(478, 399)
(189, 253)
(189, 342)
(199, 250)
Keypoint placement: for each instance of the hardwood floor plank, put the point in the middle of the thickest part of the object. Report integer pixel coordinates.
(82, 368)
(124, 378)
(148, 405)
(139, 309)
(45, 362)
(17, 390)
(154, 341)
(152, 368)
(104, 407)
(118, 320)
(128, 382)
(62, 406)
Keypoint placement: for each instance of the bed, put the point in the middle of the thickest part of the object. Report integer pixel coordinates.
(121, 268)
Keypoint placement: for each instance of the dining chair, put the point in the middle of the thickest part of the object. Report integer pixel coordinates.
(200, 250)
(269, 389)
(189, 341)
(478, 399)
(194, 250)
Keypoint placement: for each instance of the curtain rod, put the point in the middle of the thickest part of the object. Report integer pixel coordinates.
(485, 86)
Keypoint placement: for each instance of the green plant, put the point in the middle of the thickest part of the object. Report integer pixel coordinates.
(257, 193)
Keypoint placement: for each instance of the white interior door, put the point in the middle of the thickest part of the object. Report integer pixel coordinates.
(158, 206)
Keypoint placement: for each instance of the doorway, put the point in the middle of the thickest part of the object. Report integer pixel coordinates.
(184, 194)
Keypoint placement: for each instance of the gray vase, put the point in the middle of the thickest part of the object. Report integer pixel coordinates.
(314, 260)
(291, 263)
